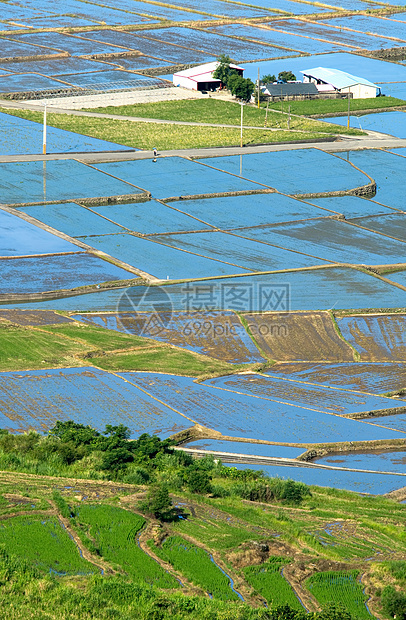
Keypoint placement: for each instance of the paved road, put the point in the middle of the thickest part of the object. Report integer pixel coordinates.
(339, 146)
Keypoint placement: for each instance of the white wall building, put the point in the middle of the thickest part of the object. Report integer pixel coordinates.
(201, 77)
(333, 80)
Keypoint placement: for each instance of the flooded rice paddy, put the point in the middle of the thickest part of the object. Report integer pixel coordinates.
(359, 482)
(218, 334)
(238, 415)
(242, 447)
(22, 276)
(37, 399)
(337, 287)
(374, 378)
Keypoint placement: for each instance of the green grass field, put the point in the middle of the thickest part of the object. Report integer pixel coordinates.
(196, 565)
(270, 583)
(44, 543)
(114, 531)
(24, 348)
(340, 587)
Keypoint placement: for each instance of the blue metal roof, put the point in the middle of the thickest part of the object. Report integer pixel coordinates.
(339, 79)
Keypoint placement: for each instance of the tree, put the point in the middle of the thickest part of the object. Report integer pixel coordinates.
(286, 76)
(199, 481)
(223, 69)
(242, 88)
(268, 78)
(394, 603)
(158, 503)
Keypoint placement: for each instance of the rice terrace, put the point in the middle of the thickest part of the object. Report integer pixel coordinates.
(202, 310)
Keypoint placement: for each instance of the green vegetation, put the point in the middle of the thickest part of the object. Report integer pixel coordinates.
(168, 136)
(167, 360)
(197, 567)
(240, 87)
(22, 348)
(114, 531)
(340, 587)
(25, 348)
(269, 582)
(44, 543)
(242, 517)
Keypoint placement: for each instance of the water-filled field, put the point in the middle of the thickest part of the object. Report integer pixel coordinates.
(159, 260)
(243, 447)
(377, 338)
(57, 42)
(54, 67)
(152, 217)
(22, 275)
(11, 83)
(21, 238)
(246, 211)
(379, 26)
(37, 181)
(174, 176)
(333, 240)
(218, 334)
(337, 287)
(72, 219)
(360, 482)
(275, 170)
(376, 378)
(37, 399)
(317, 398)
(286, 41)
(243, 252)
(387, 169)
(374, 461)
(155, 48)
(391, 225)
(238, 415)
(352, 206)
(207, 42)
(26, 137)
(339, 36)
(393, 123)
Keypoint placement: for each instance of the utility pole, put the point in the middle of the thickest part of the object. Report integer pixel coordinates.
(289, 118)
(242, 112)
(348, 119)
(44, 134)
(258, 88)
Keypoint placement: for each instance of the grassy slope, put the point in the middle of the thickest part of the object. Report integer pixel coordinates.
(77, 345)
(247, 522)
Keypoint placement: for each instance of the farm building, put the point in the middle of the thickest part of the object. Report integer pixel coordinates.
(290, 90)
(201, 77)
(333, 80)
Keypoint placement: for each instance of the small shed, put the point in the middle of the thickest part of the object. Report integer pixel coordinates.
(201, 77)
(290, 90)
(333, 80)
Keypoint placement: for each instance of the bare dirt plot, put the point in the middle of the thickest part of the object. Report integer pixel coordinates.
(377, 338)
(304, 336)
(33, 317)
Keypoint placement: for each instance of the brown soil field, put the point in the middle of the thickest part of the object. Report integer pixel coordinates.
(299, 336)
(32, 317)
